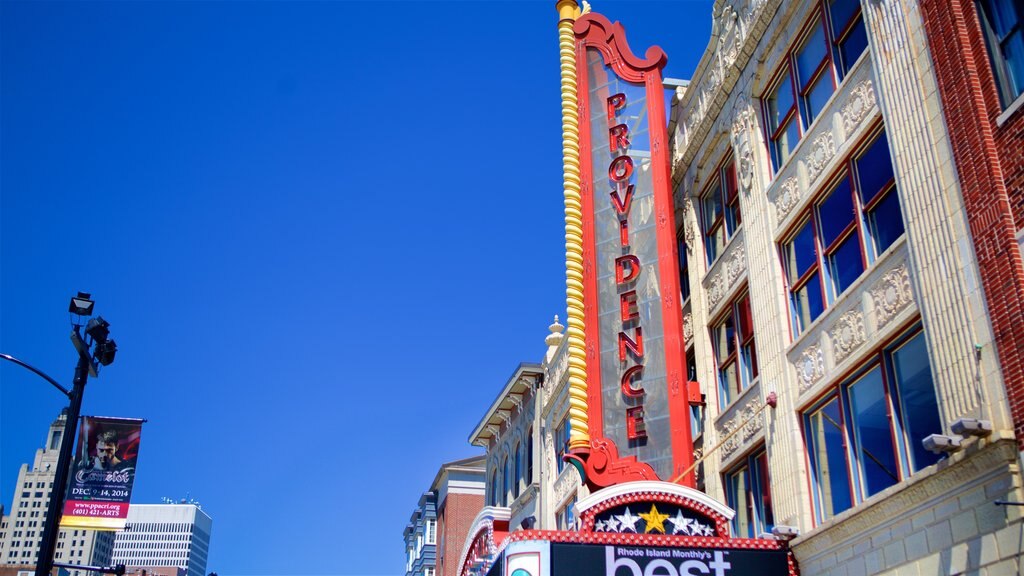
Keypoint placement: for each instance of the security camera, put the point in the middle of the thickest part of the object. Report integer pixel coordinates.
(971, 427)
(785, 532)
(939, 444)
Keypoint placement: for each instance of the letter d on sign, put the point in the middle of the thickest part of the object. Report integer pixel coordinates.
(612, 564)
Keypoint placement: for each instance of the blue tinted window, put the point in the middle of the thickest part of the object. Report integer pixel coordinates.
(808, 303)
(917, 398)
(874, 440)
(828, 459)
(845, 264)
(810, 55)
(886, 222)
(800, 253)
(836, 213)
(874, 169)
(816, 99)
(780, 102)
(851, 47)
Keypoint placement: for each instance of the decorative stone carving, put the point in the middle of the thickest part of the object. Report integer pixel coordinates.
(823, 148)
(745, 166)
(731, 269)
(743, 417)
(688, 233)
(565, 482)
(788, 196)
(891, 294)
(728, 35)
(810, 367)
(733, 26)
(687, 327)
(847, 334)
(736, 266)
(717, 290)
(862, 99)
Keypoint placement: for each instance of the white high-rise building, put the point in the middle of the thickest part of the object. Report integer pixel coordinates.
(22, 528)
(165, 535)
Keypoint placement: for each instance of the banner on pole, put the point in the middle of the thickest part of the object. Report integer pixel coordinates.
(102, 475)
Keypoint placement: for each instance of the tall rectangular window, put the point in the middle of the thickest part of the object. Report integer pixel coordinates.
(684, 272)
(1001, 25)
(856, 219)
(561, 443)
(748, 492)
(720, 210)
(564, 518)
(735, 351)
(431, 531)
(865, 435)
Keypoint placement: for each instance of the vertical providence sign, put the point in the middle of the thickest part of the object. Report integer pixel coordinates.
(636, 387)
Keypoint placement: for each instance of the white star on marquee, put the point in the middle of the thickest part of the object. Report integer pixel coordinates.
(628, 521)
(680, 523)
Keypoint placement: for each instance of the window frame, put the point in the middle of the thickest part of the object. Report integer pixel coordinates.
(758, 511)
(724, 185)
(745, 362)
(562, 432)
(880, 361)
(862, 228)
(800, 90)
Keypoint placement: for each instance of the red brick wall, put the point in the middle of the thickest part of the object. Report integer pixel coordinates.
(990, 164)
(454, 521)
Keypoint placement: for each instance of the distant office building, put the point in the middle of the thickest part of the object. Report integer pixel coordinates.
(164, 535)
(22, 529)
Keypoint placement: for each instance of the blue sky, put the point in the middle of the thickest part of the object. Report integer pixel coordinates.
(323, 233)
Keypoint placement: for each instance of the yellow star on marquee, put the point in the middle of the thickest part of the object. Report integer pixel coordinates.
(655, 520)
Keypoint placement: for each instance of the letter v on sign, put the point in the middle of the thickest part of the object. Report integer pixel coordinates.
(622, 204)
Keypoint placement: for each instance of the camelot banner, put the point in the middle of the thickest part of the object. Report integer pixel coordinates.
(103, 473)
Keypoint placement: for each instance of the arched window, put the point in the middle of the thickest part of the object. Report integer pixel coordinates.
(493, 496)
(517, 477)
(505, 500)
(529, 457)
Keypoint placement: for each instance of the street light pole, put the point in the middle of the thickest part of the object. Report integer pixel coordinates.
(94, 349)
(48, 543)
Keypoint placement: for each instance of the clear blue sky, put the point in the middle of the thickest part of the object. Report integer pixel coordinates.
(323, 235)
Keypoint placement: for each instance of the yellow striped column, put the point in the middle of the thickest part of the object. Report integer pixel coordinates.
(579, 435)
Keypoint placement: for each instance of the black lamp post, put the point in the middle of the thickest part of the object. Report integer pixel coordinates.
(94, 349)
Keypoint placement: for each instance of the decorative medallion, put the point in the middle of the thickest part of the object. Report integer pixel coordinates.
(891, 294)
(823, 148)
(788, 196)
(847, 334)
(728, 35)
(687, 327)
(811, 366)
(861, 101)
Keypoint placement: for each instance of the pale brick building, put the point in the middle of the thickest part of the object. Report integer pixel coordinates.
(22, 528)
(828, 258)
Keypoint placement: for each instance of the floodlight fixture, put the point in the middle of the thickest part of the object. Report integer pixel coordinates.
(971, 427)
(939, 444)
(785, 533)
(81, 304)
(98, 329)
(105, 352)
